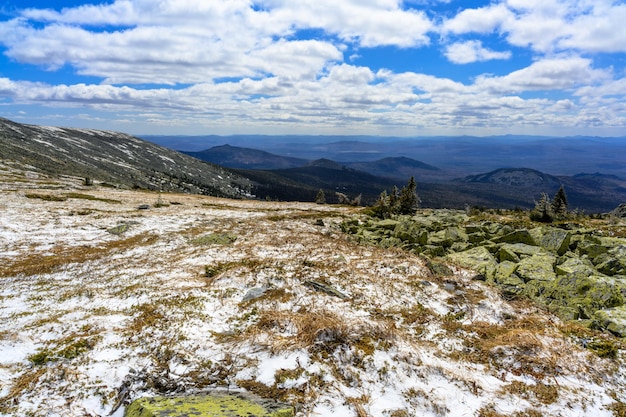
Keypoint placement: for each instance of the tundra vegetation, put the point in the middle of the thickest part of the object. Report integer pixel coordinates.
(321, 307)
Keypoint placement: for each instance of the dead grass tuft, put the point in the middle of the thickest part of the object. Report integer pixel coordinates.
(27, 381)
(545, 394)
(516, 346)
(37, 264)
(321, 332)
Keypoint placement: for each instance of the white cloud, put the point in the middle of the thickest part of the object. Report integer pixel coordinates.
(548, 25)
(546, 75)
(248, 68)
(472, 51)
(481, 20)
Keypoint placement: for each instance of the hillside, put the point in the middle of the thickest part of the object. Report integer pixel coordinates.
(246, 158)
(114, 158)
(500, 188)
(102, 303)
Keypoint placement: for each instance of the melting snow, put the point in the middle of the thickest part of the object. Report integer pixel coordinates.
(138, 313)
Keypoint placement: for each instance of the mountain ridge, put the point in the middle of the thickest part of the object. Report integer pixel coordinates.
(115, 158)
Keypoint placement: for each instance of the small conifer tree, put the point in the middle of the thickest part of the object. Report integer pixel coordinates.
(320, 198)
(408, 201)
(394, 197)
(543, 210)
(382, 207)
(559, 203)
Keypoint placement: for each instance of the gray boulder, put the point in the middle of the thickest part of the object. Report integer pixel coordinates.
(575, 265)
(478, 259)
(614, 320)
(518, 236)
(556, 240)
(538, 267)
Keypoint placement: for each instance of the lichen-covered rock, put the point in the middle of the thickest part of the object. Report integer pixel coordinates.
(214, 405)
(440, 238)
(506, 254)
(591, 248)
(614, 320)
(611, 265)
(522, 250)
(479, 259)
(476, 237)
(387, 224)
(408, 232)
(518, 236)
(538, 267)
(575, 265)
(504, 270)
(556, 240)
(587, 293)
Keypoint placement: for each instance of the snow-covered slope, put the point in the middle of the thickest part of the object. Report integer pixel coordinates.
(102, 303)
(115, 158)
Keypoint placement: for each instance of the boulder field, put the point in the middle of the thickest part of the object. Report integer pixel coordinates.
(576, 272)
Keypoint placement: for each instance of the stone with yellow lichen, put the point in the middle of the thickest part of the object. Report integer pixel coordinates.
(212, 405)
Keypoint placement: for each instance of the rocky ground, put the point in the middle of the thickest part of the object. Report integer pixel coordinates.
(103, 301)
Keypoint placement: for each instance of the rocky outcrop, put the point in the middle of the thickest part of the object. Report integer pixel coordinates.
(620, 211)
(574, 272)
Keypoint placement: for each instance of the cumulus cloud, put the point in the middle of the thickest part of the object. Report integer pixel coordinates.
(545, 75)
(481, 20)
(281, 63)
(172, 41)
(472, 51)
(548, 25)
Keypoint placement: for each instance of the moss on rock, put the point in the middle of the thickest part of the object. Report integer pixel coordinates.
(538, 267)
(479, 259)
(214, 405)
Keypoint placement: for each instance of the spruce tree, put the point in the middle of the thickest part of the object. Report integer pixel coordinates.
(542, 211)
(408, 201)
(320, 198)
(559, 203)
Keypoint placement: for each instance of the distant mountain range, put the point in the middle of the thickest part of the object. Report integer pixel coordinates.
(288, 178)
(454, 156)
(239, 172)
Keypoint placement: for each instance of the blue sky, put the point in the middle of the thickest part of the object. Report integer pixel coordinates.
(378, 67)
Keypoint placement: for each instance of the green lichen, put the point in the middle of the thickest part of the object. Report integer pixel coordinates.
(214, 405)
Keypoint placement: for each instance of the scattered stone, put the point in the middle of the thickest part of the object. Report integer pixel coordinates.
(143, 207)
(119, 229)
(506, 254)
(504, 270)
(591, 247)
(253, 294)
(439, 269)
(387, 224)
(614, 320)
(218, 405)
(570, 270)
(318, 286)
(523, 250)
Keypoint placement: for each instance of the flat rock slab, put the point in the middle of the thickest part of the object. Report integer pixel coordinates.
(213, 405)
